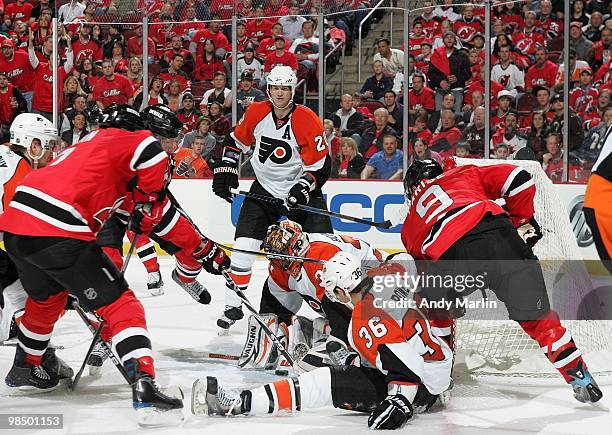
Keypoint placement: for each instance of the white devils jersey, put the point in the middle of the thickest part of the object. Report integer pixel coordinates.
(13, 169)
(284, 149)
(290, 291)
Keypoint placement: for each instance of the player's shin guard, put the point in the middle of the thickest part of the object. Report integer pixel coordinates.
(146, 252)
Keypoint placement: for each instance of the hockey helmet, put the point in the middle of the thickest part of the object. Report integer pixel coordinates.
(340, 276)
(94, 117)
(121, 116)
(29, 126)
(160, 120)
(286, 238)
(281, 75)
(418, 171)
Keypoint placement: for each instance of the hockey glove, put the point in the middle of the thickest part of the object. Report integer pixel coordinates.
(225, 174)
(213, 258)
(530, 232)
(392, 413)
(300, 192)
(145, 217)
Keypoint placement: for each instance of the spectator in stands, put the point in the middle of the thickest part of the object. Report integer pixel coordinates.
(190, 163)
(420, 151)
(435, 119)
(208, 64)
(501, 151)
(504, 100)
(386, 164)
(431, 23)
(175, 95)
(242, 39)
(529, 38)
(375, 86)
(509, 134)
(392, 58)
(155, 94)
(134, 74)
(348, 163)
(219, 125)
(135, 46)
(83, 46)
(219, 92)
(306, 48)
(445, 11)
(214, 33)
(480, 86)
(449, 71)
(576, 131)
(113, 34)
(579, 42)
(419, 130)
(259, 28)
(596, 24)
(474, 133)
(12, 102)
(176, 47)
(246, 95)
(111, 88)
(548, 21)
(542, 73)
(595, 116)
(118, 59)
(357, 105)
(292, 23)
(420, 96)
(576, 67)
(332, 137)
(538, 132)
(445, 27)
(252, 65)
(42, 36)
(468, 25)
(72, 89)
(462, 149)
(443, 142)
(78, 131)
(552, 160)
(371, 140)
(40, 9)
(602, 48)
(175, 72)
(507, 73)
(584, 97)
(268, 45)
(578, 13)
(69, 11)
(16, 64)
(396, 111)
(87, 74)
(281, 56)
(347, 119)
(210, 144)
(188, 114)
(595, 139)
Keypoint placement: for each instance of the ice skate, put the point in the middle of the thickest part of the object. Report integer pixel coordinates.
(210, 398)
(25, 378)
(195, 289)
(155, 283)
(585, 388)
(57, 367)
(230, 316)
(99, 354)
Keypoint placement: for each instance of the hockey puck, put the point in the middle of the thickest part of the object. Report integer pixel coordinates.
(281, 372)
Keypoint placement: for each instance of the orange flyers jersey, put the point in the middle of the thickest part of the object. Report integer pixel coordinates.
(13, 169)
(401, 343)
(282, 151)
(291, 291)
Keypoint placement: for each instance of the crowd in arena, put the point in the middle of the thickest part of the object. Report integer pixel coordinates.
(190, 64)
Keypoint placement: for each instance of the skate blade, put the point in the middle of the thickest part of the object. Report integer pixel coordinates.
(158, 292)
(223, 332)
(27, 390)
(198, 397)
(154, 417)
(95, 371)
(600, 405)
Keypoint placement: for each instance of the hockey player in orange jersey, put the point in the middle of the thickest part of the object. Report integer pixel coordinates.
(291, 162)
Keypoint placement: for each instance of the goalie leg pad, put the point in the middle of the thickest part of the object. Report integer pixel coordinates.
(258, 351)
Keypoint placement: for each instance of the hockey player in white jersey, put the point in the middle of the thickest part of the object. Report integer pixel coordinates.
(288, 285)
(291, 162)
(405, 367)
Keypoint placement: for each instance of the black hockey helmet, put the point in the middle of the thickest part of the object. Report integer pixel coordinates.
(418, 171)
(94, 116)
(121, 116)
(160, 120)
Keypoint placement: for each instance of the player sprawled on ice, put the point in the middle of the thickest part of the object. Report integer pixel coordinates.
(452, 218)
(50, 228)
(291, 162)
(289, 283)
(173, 232)
(32, 138)
(403, 366)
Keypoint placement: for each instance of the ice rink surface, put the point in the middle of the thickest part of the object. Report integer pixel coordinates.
(102, 405)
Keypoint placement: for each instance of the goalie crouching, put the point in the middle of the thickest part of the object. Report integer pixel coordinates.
(402, 367)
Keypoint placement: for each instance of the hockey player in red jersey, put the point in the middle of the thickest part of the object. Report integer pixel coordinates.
(49, 233)
(403, 365)
(453, 216)
(291, 162)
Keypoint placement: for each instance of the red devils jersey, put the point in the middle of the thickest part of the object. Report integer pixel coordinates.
(84, 50)
(527, 42)
(583, 99)
(89, 182)
(551, 28)
(18, 70)
(444, 209)
(465, 30)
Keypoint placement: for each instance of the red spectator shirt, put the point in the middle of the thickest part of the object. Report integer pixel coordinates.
(189, 120)
(551, 28)
(431, 27)
(583, 99)
(180, 77)
(545, 76)
(201, 36)
(498, 121)
(205, 71)
(426, 99)
(266, 46)
(191, 26)
(16, 12)
(119, 90)
(444, 209)
(527, 42)
(279, 11)
(511, 22)
(479, 86)
(288, 58)
(89, 49)
(259, 30)
(6, 111)
(134, 47)
(18, 70)
(42, 99)
(415, 45)
(222, 8)
(169, 53)
(465, 30)
(439, 139)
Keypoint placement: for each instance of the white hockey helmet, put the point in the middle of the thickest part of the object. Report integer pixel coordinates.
(281, 75)
(341, 275)
(29, 126)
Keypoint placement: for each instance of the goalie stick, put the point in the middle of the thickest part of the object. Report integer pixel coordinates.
(280, 203)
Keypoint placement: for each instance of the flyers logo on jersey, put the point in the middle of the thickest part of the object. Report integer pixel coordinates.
(277, 151)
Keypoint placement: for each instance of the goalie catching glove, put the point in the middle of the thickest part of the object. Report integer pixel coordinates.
(530, 232)
(213, 258)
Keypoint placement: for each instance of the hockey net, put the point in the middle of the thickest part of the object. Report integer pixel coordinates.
(500, 350)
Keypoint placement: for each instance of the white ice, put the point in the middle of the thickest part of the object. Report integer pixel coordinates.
(103, 405)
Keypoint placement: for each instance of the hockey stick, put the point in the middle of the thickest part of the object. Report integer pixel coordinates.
(269, 256)
(129, 254)
(96, 337)
(267, 330)
(279, 203)
(208, 355)
(111, 354)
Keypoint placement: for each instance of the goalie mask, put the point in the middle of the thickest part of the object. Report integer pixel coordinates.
(286, 238)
